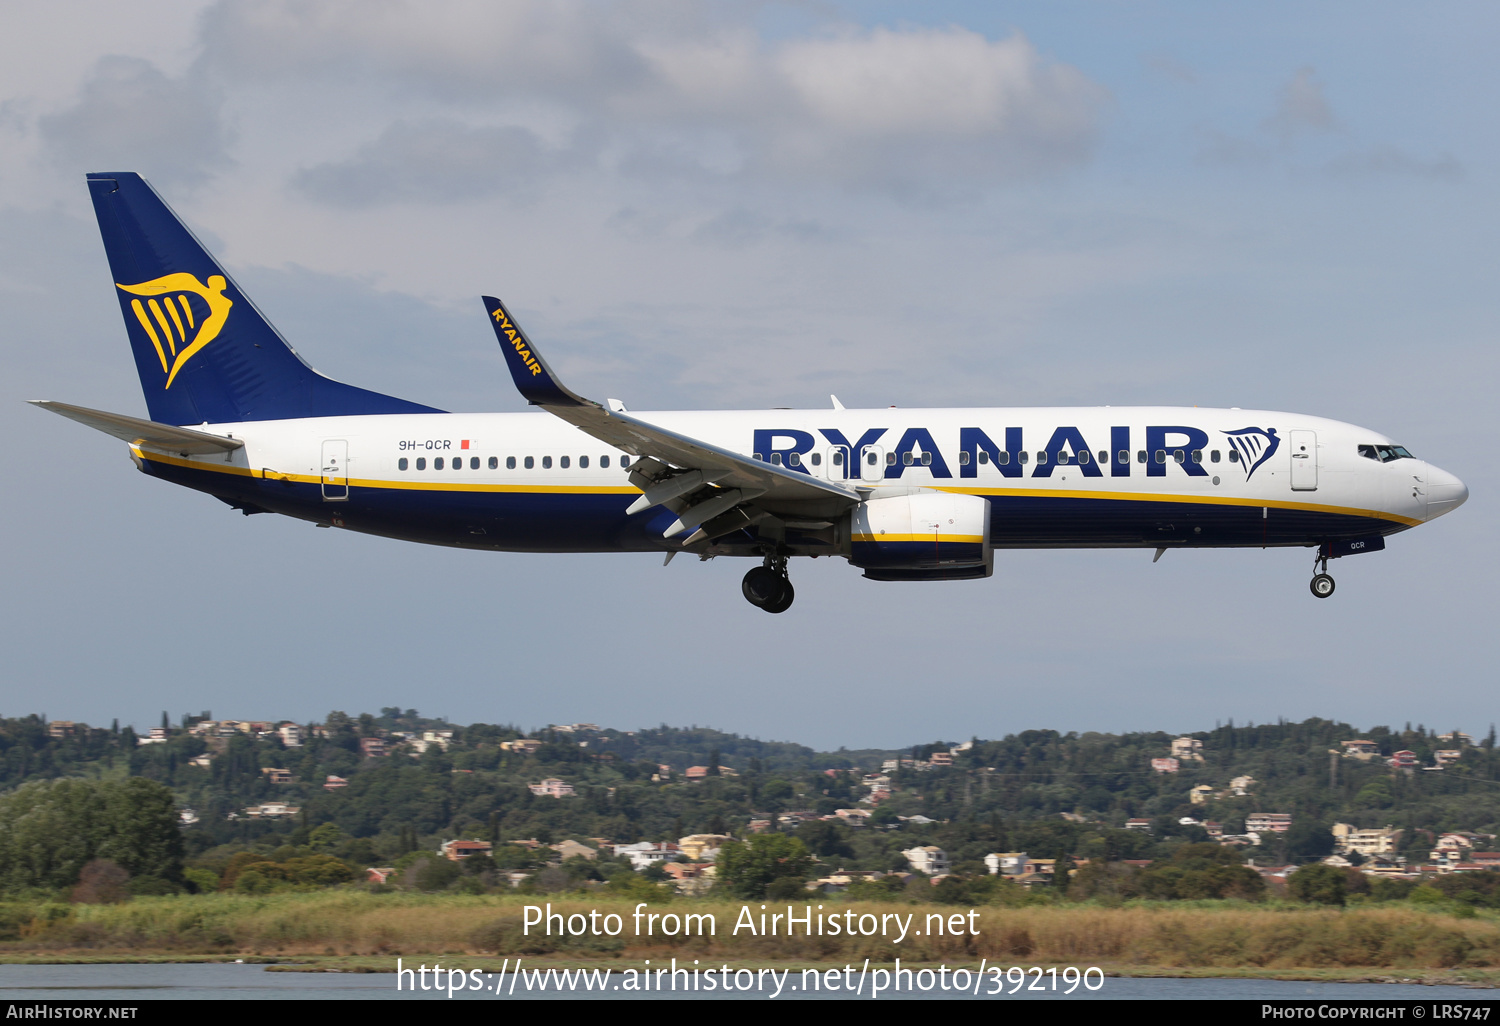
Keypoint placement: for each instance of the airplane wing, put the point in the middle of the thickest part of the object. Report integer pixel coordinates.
(144, 432)
(722, 489)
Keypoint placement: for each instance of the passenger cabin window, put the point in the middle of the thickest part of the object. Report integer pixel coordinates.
(1234, 455)
(1140, 456)
(421, 462)
(870, 458)
(1025, 456)
(1062, 457)
(458, 462)
(1197, 455)
(474, 462)
(757, 456)
(963, 458)
(890, 459)
(1084, 456)
(546, 462)
(816, 459)
(1002, 457)
(530, 462)
(604, 462)
(906, 458)
(1179, 455)
(775, 459)
(1123, 456)
(794, 459)
(437, 463)
(510, 463)
(1041, 457)
(1213, 456)
(1161, 455)
(838, 457)
(563, 461)
(401, 463)
(1103, 456)
(583, 463)
(625, 462)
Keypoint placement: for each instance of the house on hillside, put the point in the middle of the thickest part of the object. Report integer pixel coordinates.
(1348, 838)
(1187, 749)
(552, 788)
(457, 851)
(1268, 822)
(928, 859)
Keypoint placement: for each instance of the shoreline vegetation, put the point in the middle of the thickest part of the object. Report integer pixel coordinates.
(360, 931)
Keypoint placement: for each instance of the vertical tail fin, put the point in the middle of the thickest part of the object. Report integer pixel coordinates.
(203, 351)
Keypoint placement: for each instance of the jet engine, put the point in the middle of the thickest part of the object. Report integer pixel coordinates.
(922, 536)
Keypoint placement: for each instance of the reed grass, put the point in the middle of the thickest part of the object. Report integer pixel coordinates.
(1223, 935)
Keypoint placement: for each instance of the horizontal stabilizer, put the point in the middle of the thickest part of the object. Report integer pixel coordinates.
(144, 432)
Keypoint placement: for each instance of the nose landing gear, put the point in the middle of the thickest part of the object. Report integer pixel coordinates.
(1321, 585)
(768, 587)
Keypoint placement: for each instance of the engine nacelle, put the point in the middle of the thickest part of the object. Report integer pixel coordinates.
(926, 535)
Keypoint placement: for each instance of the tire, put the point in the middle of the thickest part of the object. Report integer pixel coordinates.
(784, 600)
(761, 586)
(1321, 586)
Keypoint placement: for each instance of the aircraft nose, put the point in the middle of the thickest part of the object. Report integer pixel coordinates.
(1445, 492)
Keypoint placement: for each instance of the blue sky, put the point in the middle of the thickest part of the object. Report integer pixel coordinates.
(744, 206)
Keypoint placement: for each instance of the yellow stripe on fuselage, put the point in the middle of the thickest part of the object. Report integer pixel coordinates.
(460, 486)
(1201, 500)
(355, 482)
(971, 539)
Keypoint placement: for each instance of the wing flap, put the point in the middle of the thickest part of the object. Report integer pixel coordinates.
(144, 432)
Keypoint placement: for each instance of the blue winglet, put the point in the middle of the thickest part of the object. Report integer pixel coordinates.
(534, 379)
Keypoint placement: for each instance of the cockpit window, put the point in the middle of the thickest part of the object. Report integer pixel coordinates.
(1385, 453)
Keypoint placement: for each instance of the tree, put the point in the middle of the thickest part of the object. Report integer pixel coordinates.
(1318, 884)
(49, 830)
(747, 869)
(1308, 839)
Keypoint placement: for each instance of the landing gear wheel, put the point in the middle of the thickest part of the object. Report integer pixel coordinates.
(762, 586)
(784, 600)
(767, 587)
(1322, 585)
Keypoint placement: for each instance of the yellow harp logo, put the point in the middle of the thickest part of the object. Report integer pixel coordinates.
(172, 319)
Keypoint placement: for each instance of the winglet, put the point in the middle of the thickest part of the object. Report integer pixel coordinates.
(534, 379)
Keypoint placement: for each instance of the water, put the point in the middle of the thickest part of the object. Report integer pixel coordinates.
(241, 981)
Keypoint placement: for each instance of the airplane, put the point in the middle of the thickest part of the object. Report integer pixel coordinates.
(902, 494)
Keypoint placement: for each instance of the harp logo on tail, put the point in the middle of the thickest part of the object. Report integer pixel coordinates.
(181, 315)
(1254, 446)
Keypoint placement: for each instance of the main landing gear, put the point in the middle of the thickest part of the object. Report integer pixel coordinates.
(1322, 584)
(768, 587)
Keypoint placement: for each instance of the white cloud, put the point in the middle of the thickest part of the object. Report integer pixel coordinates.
(437, 160)
(131, 116)
(1301, 107)
(642, 93)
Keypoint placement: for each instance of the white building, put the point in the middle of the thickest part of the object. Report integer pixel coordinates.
(928, 859)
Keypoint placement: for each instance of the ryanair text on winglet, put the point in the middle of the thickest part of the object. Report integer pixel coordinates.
(516, 340)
